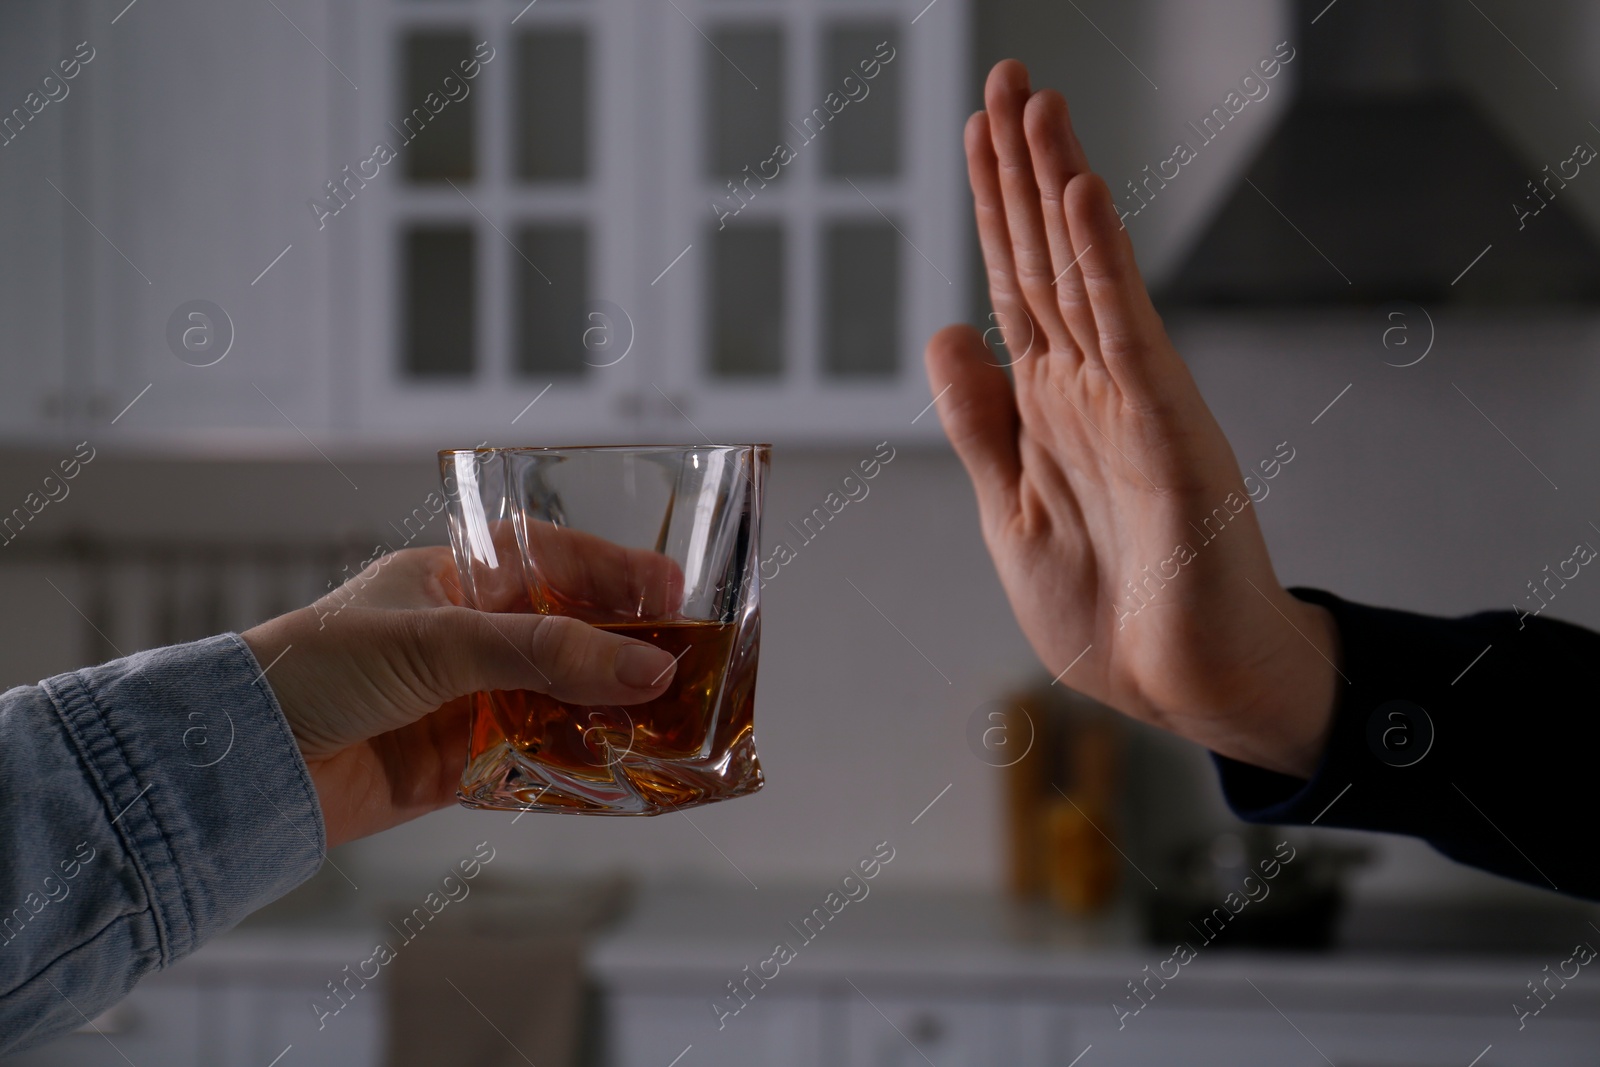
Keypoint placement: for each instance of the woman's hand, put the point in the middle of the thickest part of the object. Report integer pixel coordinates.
(373, 679)
(1103, 460)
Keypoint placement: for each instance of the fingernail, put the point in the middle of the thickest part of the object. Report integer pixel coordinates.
(642, 666)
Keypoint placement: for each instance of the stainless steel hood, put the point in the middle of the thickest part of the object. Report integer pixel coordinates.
(1388, 167)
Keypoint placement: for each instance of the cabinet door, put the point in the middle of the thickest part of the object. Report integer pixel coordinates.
(905, 1031)
(493, 294)
(266, 1020)
(227, 250)
(815, 197)
(651, 1030)
(1216, 1038)
(36, 292)
(207, 128)
(1223, 1037)
(1352, 1040)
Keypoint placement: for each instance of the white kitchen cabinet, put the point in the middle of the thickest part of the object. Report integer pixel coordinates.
(173, 170)
(201, 130)
(655, 1028)
(243, 1000)
(967, 982)
(540, 305)
(261, 1018)
(1567, 1039)
(896, 1030)
(664, 323)
(37, 299)
(864, 228)
(540, 258)
(1304, 1035)
(967, 1026)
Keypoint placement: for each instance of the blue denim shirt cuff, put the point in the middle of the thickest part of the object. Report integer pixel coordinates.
(201, 779)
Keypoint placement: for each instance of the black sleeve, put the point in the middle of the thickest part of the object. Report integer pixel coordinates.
(1497, 770)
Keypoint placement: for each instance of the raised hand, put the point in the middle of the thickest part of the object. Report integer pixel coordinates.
(1110, 499)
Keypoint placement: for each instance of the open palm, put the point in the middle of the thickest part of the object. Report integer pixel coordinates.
(1110, 499)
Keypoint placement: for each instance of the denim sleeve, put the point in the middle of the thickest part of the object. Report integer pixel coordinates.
(146, 805)
(1475, 734)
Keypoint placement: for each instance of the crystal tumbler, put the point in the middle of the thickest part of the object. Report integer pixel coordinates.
(659, 543)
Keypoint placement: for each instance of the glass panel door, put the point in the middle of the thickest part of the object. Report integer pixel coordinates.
(495, 260)
(817, 196)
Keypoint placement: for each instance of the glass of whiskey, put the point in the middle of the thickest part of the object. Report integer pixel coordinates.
(657, 542)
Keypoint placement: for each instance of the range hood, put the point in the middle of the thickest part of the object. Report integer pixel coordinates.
(1398, 177)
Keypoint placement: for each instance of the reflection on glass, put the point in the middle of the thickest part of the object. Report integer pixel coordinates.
(553, 105)
(744, 69)
(439, 282)
(864, 137)
(551, 262)
(746, 301)
(440, 128)
(861, 262)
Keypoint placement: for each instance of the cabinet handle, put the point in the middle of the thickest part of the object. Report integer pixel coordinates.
(926, 1029)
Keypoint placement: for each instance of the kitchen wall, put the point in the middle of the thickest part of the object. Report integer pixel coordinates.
(1400, 495)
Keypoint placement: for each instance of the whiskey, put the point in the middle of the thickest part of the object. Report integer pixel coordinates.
(703, 718)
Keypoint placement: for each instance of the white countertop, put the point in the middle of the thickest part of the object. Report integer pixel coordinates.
(687, 940)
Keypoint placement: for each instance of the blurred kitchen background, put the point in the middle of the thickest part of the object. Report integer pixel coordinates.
(1353, 262)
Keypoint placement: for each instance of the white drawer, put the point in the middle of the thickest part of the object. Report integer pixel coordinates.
(911, 1031)
(652, 1030)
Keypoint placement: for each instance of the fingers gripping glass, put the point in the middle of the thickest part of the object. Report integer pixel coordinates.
(656, 543)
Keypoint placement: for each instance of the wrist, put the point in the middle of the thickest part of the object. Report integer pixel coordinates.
(1303, 700)
(1276, 710)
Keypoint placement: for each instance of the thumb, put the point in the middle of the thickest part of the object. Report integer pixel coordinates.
(979, 412)
(564, 657)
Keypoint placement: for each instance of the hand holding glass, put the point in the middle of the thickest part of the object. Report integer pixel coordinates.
(658, 543)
